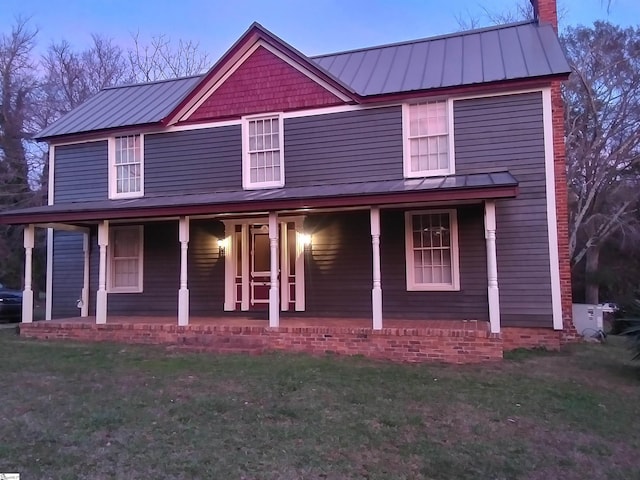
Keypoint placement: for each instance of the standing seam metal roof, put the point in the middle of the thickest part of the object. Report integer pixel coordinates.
(113, 107)
(507, 52)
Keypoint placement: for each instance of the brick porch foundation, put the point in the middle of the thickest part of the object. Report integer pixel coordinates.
(412, 345)
(516, 337)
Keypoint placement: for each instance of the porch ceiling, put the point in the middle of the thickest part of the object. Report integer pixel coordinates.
(477, 186)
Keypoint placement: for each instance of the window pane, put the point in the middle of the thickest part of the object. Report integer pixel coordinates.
(446, 275)
(428, 143)
(264, 151)
(124, 250)
(128, 160)
(431, 243)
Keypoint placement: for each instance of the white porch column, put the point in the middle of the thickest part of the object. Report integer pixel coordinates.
(183, 293)
(492, 265)
(274, 290)
(27, 294)
(101, 296)
(376, 293)
(84, 309)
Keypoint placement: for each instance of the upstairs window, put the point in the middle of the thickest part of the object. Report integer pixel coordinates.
(126, 164)
(125, 260)
(428, 139)
(432, 250)
(262, 156)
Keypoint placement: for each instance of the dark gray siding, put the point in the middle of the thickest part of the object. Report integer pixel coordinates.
(507, 132)
(81, 172)
(206, 268)
(193, 161)
(359, 146)
(160, 279)
(338, 271)
(68, 260)
(162, 272)
(470, 303)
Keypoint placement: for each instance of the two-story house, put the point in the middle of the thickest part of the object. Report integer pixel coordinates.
(405, 201)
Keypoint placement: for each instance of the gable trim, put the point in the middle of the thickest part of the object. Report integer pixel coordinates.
(217, 81)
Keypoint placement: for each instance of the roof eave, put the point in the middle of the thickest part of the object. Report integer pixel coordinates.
(391, 198)
(484, 87)
(93, 134)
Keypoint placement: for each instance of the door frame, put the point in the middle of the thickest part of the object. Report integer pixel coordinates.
(237, 232)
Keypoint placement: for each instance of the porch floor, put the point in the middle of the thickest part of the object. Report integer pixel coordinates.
(288, 322)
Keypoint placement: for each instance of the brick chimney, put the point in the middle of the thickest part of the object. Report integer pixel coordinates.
(546, 11)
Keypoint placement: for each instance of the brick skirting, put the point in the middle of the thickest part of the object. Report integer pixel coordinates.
(411, 345)
(516, 337)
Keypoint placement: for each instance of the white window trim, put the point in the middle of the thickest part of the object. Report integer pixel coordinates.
(246, 183)
(110, 287)
(407, 145)
(455, 254)
(113, 194)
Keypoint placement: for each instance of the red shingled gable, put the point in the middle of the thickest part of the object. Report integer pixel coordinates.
(263, 83)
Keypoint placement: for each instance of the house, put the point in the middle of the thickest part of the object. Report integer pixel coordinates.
(417, 187)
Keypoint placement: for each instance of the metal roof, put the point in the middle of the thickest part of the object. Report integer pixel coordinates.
(506, 52)
(136, 104)
(252, 200)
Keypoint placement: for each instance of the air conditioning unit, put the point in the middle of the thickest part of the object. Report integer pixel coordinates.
(588, 319)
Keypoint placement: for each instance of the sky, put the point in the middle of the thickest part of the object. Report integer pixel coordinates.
(312, 26)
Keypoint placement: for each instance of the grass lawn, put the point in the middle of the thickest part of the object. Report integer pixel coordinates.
(89, 411)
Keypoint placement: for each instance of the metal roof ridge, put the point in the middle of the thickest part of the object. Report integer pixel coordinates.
(153, 82)
(428, 39)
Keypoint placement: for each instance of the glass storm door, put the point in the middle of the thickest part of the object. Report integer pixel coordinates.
(260, 266)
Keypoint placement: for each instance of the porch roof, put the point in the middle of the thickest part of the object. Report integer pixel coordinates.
(476, 186)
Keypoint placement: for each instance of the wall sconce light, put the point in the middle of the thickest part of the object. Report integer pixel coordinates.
(304, 239)
(222, 245)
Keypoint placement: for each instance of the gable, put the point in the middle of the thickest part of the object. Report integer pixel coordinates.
(263, 83)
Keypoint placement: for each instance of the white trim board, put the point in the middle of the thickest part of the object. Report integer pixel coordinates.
(552, 220)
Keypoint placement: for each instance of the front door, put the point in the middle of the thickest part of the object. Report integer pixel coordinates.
(248, 265)
(260, 266)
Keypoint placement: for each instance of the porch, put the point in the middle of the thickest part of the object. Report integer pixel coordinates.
(414, 341)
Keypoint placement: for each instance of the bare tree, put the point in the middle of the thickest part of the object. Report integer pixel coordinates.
(468, 20)
(17, 86)
(160, 59)
(602, 123)
(71, 76)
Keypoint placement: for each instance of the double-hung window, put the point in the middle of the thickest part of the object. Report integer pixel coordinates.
(428, 149)
(263, 153)
(432, 250)
(125, 260)
(126, 163)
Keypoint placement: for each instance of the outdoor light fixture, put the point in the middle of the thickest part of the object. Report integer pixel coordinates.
(304, 239)
(222, 245)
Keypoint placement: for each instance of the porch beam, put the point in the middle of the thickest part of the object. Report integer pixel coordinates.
(274, 293)
(376, 292)
(492, 265)
(183, 293)
(27, 294)
(101, 295)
